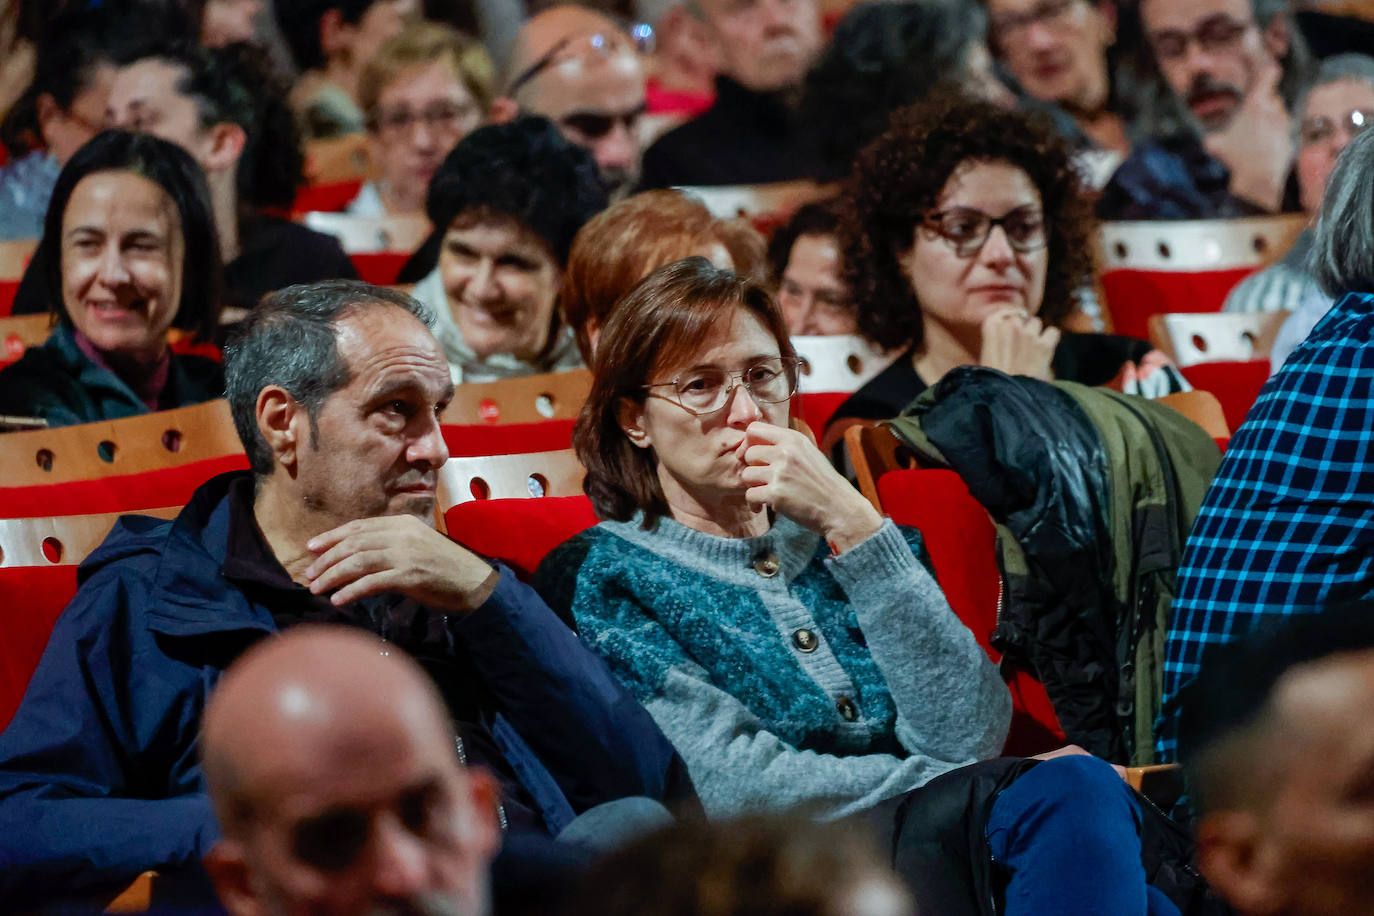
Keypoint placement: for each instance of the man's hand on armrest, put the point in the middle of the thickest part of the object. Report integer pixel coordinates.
(398, 553)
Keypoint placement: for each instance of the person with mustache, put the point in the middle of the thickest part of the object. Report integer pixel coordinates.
(1233, 67)
(336, 390)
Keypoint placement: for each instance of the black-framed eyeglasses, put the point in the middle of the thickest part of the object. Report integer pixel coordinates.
(1321, 129)
(1215, 33)
(1053, 14)
(602, 44)
(967, 229)
(708, 389)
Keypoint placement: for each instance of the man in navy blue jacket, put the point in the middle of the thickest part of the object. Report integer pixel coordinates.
(336, 390)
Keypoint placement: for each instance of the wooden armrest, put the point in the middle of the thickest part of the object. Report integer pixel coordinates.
(136, 898)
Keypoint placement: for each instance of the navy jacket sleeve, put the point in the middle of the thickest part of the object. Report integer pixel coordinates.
(588, 731)
(98, 773)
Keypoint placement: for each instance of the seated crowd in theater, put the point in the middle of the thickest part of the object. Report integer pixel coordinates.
(752, 677)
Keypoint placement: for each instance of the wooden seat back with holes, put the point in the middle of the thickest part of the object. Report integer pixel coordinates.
(131, 464)
(515, 508)
(1155, 266)
(1203, 408)
(1190, 338)
(527, 399)
(337, 159)
(38, 561)
(833, 368)
(962, 542)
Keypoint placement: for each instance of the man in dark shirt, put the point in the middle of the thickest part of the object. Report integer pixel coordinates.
(1233, 67)
(752, 134)
(335, 390)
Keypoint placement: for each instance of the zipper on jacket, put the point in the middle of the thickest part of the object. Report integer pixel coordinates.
(463, 756)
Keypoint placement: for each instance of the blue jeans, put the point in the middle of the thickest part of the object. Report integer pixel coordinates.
(1068, 831)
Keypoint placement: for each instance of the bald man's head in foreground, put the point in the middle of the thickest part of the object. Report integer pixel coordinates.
(334, 772)
(581, 71)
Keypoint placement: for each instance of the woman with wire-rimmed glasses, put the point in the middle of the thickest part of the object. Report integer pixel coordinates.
(968, 239)
(789, 641)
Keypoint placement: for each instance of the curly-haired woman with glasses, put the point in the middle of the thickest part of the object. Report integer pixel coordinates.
(968, 242)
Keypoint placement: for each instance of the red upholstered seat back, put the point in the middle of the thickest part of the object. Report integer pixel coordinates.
(473, 440)
(519, 532)
(962, 544)
(1134, 295)
(170, 486)
(326, 197)
(379, 267)
(1235, 384)
(31, 597)
(8, 290)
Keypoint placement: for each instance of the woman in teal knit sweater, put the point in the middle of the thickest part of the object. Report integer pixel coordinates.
(788, 640)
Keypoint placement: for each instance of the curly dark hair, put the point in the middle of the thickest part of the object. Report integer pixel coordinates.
(899, 177)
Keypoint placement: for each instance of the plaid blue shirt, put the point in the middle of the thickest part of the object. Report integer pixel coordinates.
(1288, 523)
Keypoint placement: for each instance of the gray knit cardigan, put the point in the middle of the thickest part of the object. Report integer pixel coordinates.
(785, 676)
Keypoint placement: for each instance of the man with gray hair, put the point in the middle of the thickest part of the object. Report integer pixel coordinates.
(1231, 69)
(336, 390)
(1285, 528)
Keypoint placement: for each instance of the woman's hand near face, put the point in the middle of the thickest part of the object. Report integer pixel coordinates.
(789, 473)
(1018, 344)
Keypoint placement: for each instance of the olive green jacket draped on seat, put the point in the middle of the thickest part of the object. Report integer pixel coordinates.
(1093, 493)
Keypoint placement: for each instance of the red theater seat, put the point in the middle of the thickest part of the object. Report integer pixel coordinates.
(1235, 384)
(519, 532)
(328, 197)
(1159, 266)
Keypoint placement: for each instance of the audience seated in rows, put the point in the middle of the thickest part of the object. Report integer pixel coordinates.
(754, 132)
(790, 642)
(969, 245)
(1227, 73)
(1336, 105)
(1275, 740)
(805, 257)
(335, 389)
(425, 90)
(336, 781)
(577, 68)
(219, 107)
(1284, 528)
(885, 56)
(331, 41)
(1058, 52)
(506, 205)
(130, 252)
(624, 243)
(63, 107)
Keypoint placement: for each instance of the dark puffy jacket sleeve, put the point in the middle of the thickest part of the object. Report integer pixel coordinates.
(588, 731)
(98, 773)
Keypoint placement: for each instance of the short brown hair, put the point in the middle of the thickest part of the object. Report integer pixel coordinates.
(424, 43)
(620, 245)
(663, 319)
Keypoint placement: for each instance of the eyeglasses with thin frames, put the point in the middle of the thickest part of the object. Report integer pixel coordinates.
(967, 229)
(708, 389)
(597, 44)
(1215, 33)
(437, 116)
(1321, 129)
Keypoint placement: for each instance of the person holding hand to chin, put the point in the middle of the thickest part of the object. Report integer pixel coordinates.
(790, 642)
(967, 242)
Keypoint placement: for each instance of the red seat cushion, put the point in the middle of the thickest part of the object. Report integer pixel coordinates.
(8, 290)
(817, 407)
(1235, 384)
(27, 624)
(474, 440)
(326, 197)
(962, 544)
(519, 532)
(125, 493)
(379, 267)
(1134, 295)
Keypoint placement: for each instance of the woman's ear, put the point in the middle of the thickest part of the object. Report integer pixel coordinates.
(630, 416)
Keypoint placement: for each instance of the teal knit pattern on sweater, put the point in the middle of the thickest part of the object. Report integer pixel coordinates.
(731, 633)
